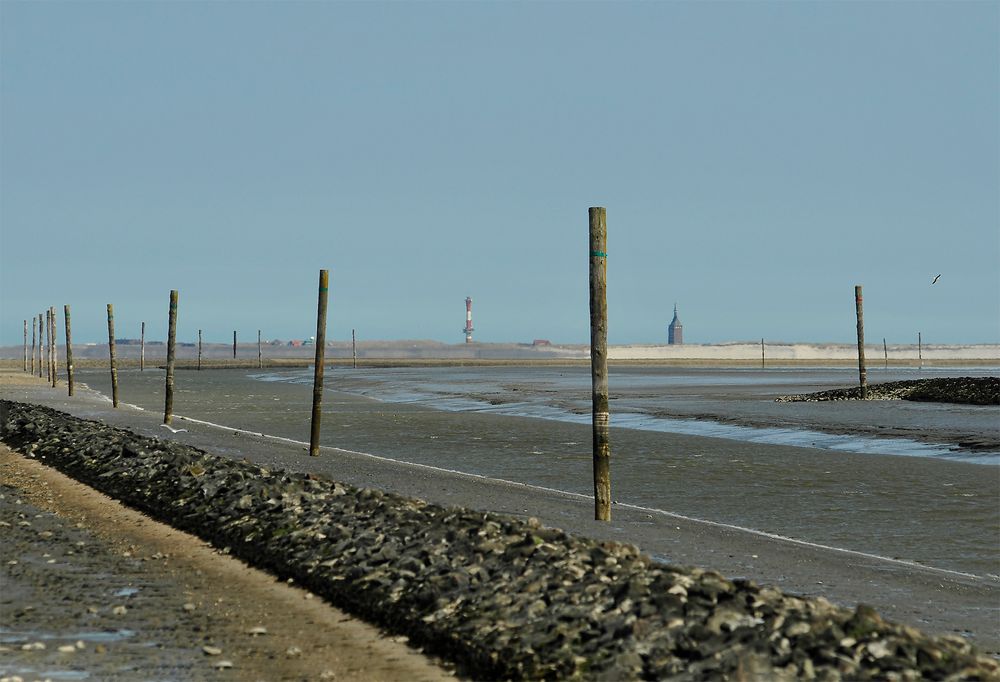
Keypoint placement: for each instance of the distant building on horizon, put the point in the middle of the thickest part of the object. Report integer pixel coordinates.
(675, 332)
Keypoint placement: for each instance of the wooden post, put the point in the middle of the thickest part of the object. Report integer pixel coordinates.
(199, 350)
(142, 348)
(55, 347)
(52, 346)
(762, 353)
(599, 363)
(920, 349)
(862, 370)
(41, 345)
(48, 347)
(354, 348)
(234, 344)
(168, 404)
(32, 345)
(25, 345)
(43, 333)
(69, 351)
(885, 349)
(324, 281)
(111, 353)
(260, 354)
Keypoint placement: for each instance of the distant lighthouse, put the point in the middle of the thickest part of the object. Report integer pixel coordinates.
(468, 319)
(675, 332)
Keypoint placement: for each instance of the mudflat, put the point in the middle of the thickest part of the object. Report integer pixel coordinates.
(935, 600)
(92, 587)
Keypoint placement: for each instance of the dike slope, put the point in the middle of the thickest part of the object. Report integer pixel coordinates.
(503, 598)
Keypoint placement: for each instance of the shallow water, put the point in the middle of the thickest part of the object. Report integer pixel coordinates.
(892, 497)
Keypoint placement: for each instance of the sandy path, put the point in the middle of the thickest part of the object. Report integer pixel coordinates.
(72, 555)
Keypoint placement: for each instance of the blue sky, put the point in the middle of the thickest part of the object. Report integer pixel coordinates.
(757, 160)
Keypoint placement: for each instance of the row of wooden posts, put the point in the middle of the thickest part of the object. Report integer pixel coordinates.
(598, 357)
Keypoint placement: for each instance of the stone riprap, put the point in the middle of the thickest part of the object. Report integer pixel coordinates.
(964, 390)
(504, 598)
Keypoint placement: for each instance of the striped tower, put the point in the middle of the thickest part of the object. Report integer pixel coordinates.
(468, 319)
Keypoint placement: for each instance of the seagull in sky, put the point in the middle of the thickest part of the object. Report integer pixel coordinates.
(936, 279)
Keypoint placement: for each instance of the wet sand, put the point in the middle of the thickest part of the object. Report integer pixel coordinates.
(94, 590)
(934, 599)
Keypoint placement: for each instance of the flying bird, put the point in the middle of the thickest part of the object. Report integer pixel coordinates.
(936, 279)
(173, 430)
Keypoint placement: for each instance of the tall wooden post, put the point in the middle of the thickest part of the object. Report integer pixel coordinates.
(260, 354)
(885, 350)
(69, 351)
(43, 333)
(48, 346)
(862, 370)
(762, 353)
(168, 404)
(55, 347)
(52, 343)
(599, 363)
(324, 282)
(199, 350)
(32, 345)
(920, 349)
(52, 346)
(234, 344)
(41, 346)
(25, 345)
(111, 353)
(142, 347)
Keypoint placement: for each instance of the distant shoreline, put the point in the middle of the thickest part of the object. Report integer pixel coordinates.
(303, 363)
(430, 353)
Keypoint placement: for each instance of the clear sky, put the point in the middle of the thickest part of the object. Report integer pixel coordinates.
(757, 160)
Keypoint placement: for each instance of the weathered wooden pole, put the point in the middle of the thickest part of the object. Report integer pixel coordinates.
(260, 354)
(885, 349)
(199, 350)
(142, 347)
(354, 348)
(25, 345)
(52, 335)
(762, 353)
(324, 281)
(69, 351)
(168, 403)
(862, 370)
(599, 362)
(41, 345)
(32, 345)
(48, 346)
(234, 344)
(51, 341)
(920, 349)
(111, 353)
(55, 347)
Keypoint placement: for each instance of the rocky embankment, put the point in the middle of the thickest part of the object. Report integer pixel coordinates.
(964, 390)
(502, 597)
